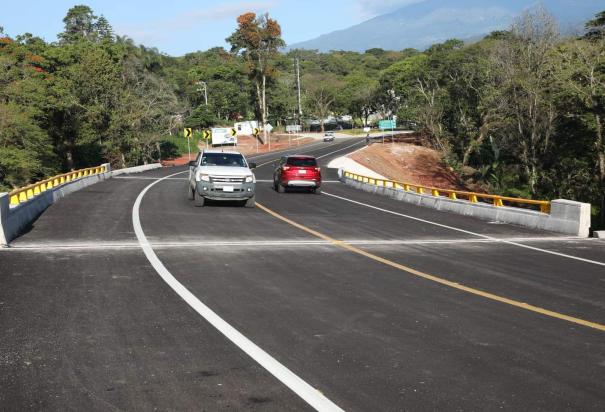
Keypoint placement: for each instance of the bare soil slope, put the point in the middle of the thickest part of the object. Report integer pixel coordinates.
(409, 163)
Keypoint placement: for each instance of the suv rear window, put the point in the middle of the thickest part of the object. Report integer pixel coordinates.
(301, 162)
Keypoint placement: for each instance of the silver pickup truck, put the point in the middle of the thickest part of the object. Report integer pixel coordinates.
(221, 175)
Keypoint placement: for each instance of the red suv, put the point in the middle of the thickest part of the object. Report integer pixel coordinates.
(297, 171)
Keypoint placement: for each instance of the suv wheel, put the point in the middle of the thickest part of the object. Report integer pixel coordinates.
(198, 200)
(250, 202)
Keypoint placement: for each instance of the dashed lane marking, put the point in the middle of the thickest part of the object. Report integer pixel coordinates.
(468, 232)
(433, 278)
(305, 391)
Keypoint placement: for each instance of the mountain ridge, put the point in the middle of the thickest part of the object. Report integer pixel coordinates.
(420, 25)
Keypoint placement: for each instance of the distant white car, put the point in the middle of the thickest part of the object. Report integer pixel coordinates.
(329, 137)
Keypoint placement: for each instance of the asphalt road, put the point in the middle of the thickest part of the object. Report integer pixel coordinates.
(306, 298)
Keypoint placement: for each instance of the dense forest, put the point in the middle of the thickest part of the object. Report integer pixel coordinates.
(520, 111)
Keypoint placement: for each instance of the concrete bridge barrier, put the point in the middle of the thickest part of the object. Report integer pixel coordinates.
(560, 216)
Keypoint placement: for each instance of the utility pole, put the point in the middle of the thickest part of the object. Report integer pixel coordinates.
(205, 89)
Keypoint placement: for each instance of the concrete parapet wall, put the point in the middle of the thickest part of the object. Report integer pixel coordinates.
(14, 220)
(566, 216)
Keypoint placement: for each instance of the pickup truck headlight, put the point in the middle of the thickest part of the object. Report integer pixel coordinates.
(250, 179)
(202, 177)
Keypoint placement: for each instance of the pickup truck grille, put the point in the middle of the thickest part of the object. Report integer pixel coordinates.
(227, 179)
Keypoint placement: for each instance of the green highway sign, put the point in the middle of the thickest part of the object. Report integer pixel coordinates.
(387, 124)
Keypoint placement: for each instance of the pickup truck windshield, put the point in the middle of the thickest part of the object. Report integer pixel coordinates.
(223, 159)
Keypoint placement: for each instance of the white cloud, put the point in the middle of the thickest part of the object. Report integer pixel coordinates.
(370, 8)
(159, 30)
(222, 12)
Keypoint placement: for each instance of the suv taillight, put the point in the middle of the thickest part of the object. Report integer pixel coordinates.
(286, 167)
(318, 169)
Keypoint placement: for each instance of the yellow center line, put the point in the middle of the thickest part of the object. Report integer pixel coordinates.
(455, 285)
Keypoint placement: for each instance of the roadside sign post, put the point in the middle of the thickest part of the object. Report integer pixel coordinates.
(187, 132)
(268, 128)
(255, 133)
(387, 124)
(206, 136)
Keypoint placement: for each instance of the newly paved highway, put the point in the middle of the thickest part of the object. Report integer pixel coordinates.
(124, 296)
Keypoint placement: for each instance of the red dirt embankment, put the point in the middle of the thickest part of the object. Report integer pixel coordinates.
(247, 145)
(410, 164)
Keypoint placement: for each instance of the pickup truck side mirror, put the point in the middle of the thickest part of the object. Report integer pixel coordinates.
(252, 165)
(192, 163)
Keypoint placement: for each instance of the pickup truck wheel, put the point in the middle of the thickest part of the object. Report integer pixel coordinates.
(198, 200)
(250, 202)
(280, 188)
(189, 192)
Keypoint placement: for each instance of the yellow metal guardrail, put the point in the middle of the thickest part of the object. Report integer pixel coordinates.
(28, 192)
(472, 197)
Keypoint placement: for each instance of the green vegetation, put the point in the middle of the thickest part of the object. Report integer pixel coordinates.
(520, 112)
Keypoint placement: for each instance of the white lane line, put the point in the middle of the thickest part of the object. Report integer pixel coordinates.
(258, 244)
(148, 178)
(550, 252)
(309, 394)
(339, 150)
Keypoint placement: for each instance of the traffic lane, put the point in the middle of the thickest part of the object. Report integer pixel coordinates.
(550, 282)
(371, 337)
(454, 220)
(100, 212)
(99, 330)
(168, 216)
(509, 270)
(348, 221)
(324, 152)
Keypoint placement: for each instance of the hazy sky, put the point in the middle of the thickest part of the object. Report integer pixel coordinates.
(180, 26)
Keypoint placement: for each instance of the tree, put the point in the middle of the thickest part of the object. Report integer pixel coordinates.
(595, 28)
(581, 73)
(359, 93)
(258, 40)
(80, 23)
(320, 91)
(202, 117)
(524, 78)
(103, 29)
